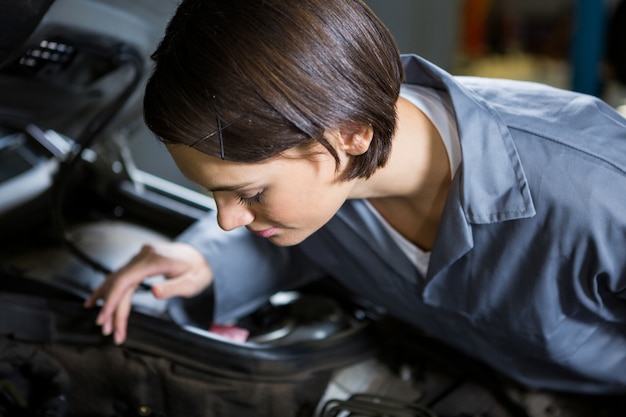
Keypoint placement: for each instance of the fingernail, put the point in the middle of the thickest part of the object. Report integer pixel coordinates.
(106, 329)
(117, 338)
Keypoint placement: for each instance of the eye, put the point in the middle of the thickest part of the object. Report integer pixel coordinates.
(248, 201)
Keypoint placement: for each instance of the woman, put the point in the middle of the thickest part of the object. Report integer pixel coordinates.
(487, 213)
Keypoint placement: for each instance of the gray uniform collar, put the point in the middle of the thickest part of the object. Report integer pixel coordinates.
(491, 185)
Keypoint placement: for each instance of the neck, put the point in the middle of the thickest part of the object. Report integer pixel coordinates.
(411, 189)
(418, 165)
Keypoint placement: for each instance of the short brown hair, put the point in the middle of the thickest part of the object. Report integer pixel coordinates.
(272, 75)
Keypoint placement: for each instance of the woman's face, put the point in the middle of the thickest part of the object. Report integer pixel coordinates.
(284, 199)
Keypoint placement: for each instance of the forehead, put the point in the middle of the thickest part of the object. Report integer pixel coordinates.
(217, 174)
(212, 172)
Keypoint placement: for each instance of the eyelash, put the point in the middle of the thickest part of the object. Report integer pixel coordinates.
(248, 201)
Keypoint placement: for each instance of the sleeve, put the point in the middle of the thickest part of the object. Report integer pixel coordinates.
(247, 269)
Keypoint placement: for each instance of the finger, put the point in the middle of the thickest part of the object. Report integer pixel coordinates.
(98, 293)
(104, 289)
(112, 291)
(107, 320)
(127, 279)
(93, 298)
(121, 319)
(106, 327)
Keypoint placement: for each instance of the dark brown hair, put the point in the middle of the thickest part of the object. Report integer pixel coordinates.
(248, 79)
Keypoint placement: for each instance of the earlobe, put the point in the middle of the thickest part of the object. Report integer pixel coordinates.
(357, 141)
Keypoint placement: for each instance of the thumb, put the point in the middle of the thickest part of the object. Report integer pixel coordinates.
(179, 287)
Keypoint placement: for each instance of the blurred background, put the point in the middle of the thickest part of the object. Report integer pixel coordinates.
(573, 44)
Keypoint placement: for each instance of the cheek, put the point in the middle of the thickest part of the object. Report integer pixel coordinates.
(294, 205)
(288, 208)
(312, 194)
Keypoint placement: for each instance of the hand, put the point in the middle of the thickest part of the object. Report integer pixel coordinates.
(185, 268)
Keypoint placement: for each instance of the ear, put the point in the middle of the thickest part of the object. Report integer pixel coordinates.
(356, 139)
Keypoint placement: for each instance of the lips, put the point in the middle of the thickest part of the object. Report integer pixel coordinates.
(270, 231)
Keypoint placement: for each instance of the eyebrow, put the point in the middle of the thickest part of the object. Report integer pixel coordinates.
(235, 187)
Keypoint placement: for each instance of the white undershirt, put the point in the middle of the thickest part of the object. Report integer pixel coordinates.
(436, 105)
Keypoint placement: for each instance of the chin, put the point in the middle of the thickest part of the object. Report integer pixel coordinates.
(287, 240)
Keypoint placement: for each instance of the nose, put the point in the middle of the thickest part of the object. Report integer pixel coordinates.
(231, 215)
